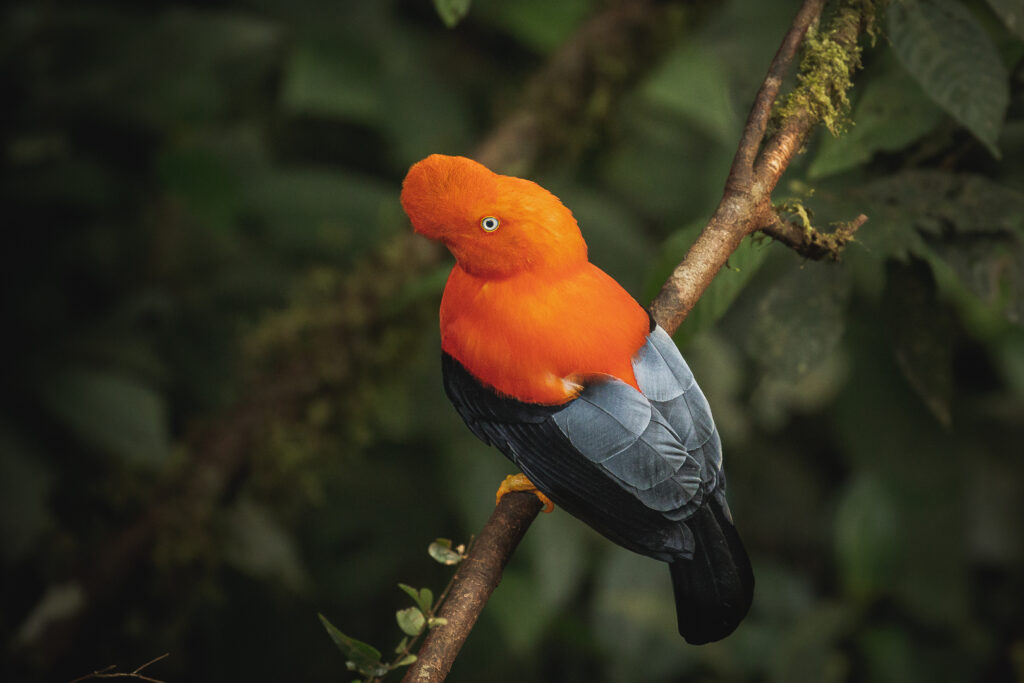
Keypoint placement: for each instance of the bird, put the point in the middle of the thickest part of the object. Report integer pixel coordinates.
(547, 358)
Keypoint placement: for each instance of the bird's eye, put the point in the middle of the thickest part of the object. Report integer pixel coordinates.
(489, 223)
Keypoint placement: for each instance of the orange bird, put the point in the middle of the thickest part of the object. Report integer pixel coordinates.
(550, 360)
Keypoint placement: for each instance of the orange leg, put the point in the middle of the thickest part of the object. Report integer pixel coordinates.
(519, 482)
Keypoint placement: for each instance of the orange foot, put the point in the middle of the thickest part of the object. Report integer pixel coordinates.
(519, 482)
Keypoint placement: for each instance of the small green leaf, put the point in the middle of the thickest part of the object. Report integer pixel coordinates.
(949, 53)
(452, 11)
(424, 597)
(114, 412)
(441, 551)
(406, 660)
(426, 600)
(434, 622)
(922, 336)
(401, 645)
(410, 620)
(362, 657)
(410, 591)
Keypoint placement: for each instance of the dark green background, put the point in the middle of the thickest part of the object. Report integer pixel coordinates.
(200, 202)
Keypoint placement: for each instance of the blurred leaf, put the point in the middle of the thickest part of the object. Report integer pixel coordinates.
(799, 321)
(259, 545)
(539, 24)
(518, 611)
(1012, 14)
(945, 48)
(890, 655)
(811, 651)
(410, 620)
(452, 11)
(60, 602)
(406, 660)
(893, 653)
(694, 83)
(635, 618)
(558, 559)
(115, 413)
(921, 334)
(892, 113)
(178, 66)
(441, 551)
(866, 538)
(313, 211)
(914, 203)
(644, 168)
(991, 269)
(442, 116)
(205, 183)
(333, 78)
(25, 486)
(427, 286)
(616, 240)
(363, 657)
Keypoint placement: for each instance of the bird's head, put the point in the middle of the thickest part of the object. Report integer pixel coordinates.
(495, 226)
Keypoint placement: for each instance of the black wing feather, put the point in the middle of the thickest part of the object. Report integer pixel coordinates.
(528, 435)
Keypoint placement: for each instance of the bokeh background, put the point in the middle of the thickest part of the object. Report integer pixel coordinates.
(222, 410)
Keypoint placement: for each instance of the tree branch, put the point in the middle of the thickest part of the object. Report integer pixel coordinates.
(475, 580)
(741, 171)
(744, 209)
(746, 203)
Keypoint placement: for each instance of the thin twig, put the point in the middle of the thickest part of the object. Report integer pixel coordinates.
(741, 172)
(134, 674)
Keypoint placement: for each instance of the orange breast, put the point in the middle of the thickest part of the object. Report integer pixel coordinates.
(535, 337)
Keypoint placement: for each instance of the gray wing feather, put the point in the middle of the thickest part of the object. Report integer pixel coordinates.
(666, 379)
(618, 429)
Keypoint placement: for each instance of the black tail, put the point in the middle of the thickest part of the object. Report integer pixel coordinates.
(713, 590)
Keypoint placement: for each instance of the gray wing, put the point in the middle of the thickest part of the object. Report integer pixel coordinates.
(666, 381)
(661, 446)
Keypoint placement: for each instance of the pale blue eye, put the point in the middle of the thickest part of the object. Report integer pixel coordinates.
(489, 223)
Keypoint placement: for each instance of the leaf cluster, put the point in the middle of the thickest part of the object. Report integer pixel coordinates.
(414, 622)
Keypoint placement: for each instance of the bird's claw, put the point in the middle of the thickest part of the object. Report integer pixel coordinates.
(519, 482)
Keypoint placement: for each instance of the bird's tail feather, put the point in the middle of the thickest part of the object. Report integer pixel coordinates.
(714, 590)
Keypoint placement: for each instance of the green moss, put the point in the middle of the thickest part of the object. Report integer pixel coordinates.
(830, 58)
(823, 83)
(796, 209)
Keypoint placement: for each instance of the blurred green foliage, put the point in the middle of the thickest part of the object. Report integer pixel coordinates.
(201, 202)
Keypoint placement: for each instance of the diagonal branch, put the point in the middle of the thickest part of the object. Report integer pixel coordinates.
(744, 209)
(741, 172)
(746, 203)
